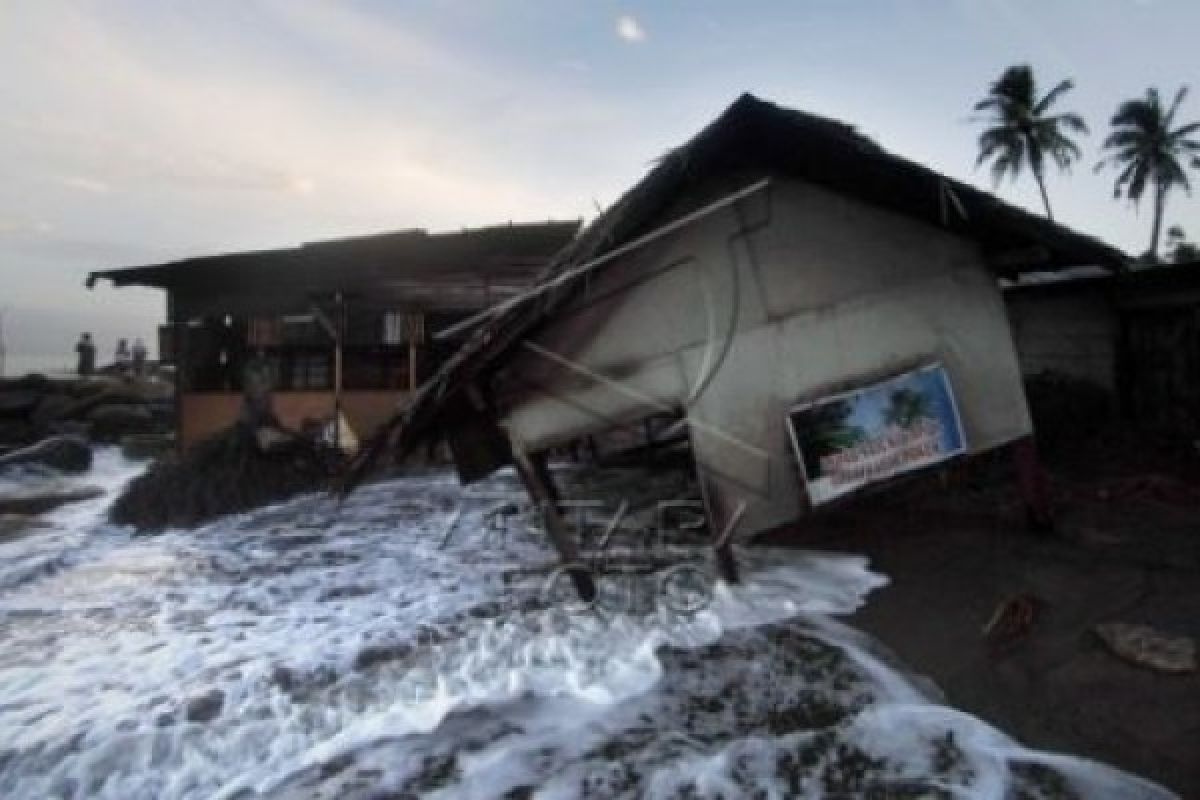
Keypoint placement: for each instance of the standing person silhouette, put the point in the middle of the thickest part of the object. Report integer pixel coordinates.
(122, 358)
(85, 349)
(139, 357)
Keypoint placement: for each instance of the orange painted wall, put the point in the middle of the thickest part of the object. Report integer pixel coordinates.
(205, 413)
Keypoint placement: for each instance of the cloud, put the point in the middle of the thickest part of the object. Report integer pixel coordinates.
(574, 65)
(24, 227)
(629, 29)
(290, 138)
(84, 184)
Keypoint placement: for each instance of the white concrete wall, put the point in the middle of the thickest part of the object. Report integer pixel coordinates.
(1073, 333)
(836, 292)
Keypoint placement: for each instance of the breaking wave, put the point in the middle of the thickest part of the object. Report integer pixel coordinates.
(404, 644)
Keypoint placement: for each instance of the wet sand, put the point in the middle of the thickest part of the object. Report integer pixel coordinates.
(1126, 549)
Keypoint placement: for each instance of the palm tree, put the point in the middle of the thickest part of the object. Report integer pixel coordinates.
(1149, 150)
(906, 407)
(825, 429)
(1022, 131)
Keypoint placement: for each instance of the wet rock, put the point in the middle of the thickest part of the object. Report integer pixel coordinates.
(33, 381)
(17, 402)
(51, 407)
(374, 655)
(70, 427)
(1150, 648)
(17, 433)
(284, 678)
(343, 593)
(303, 685)
(63, 453)
(205, 707)
(41, 502)
(89, 402)
(14, 526)
(137, 446)
(111, 422)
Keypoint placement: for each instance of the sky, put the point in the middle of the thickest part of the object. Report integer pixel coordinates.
(140, 131)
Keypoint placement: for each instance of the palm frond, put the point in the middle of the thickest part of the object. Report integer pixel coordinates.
(1070, 121)
(1051, 96)
(1178, 101)
(1184, 131)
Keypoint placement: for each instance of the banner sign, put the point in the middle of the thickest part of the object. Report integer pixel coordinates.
(855, 438)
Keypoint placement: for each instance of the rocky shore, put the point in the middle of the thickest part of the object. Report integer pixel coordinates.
(104, 409)
(49, 426)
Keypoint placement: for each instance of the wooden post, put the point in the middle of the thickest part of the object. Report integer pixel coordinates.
(412, 365)
(720, 517)
(183, 379)
(335, 329)
(339, 328)
(726, 563)
(544, 494)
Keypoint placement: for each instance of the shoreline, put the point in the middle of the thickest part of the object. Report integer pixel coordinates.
(953, 557)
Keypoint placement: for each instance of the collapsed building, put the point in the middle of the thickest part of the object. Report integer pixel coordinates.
(816, 314)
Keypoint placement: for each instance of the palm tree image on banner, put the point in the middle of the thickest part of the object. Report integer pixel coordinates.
(849, 440)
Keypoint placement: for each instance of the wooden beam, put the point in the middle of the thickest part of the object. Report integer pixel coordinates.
(544, 495)
(722, 523)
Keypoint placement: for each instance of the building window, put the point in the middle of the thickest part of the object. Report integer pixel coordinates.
(302, 329)
(400, 327)
(310, 371)
(264, 332)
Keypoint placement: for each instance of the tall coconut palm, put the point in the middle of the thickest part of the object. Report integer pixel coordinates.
(1022, 131)
(1150, 151)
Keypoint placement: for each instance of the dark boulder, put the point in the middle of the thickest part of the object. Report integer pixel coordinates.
(137, 446)
(15, 526)
(88, 387)
(33, 382)
(70, 427)
(17, 433)
(63, 453)
(18, 403)
(205, 707)
(41, 502)
(51, 407)
(84, 406)
(111, 422)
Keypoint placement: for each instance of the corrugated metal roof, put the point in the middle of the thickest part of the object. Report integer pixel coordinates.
(523, 247)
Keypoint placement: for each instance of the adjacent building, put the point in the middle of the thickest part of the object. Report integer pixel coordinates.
(1135, 334)
(345, 327)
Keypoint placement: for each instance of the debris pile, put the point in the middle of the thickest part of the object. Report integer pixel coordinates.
(241, 468)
